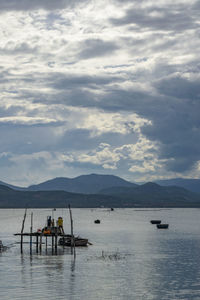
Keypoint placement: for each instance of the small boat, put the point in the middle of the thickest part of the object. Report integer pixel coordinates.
(162, 226)
(78, 242)
(155, 221)
(97, 221)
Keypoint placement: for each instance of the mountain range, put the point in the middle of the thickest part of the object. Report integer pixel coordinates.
(93, 183)
(95, 191)
(192, 185)
(86, 184)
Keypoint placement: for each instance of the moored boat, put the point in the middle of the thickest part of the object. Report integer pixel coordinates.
(77, 242)
(155, 221)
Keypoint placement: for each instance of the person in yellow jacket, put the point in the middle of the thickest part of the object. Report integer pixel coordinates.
(60, 224)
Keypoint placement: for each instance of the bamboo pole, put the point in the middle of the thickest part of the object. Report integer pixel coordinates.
(52, 243)
(46, 243)
(40, 242)
(72, 234)
(31, 231)
(56, 242)
(23, 230)
(37, 238)
(56, 239)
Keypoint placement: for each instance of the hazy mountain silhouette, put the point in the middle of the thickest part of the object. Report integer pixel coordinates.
(86, 184)
(13, 186)
(147, 195)
(10, 198)
(189, 184)
(93, 183)
(151, 194)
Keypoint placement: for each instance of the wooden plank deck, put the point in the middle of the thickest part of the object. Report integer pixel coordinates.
(40, 233)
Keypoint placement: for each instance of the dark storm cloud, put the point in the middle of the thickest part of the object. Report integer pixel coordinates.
(178, 136)
(177, 124)
(113, 100)
(75, 85)
(179, 87)
(77, 139)
(24, 139)
(36, 4)
(81, 91)
(81, 139)
(176, 18)
(96, 48)
(64, 82)
(174, 113)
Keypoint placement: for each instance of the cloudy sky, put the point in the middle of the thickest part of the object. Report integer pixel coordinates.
(107, 87)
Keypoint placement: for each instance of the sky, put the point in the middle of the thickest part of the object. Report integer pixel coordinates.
(106, 87)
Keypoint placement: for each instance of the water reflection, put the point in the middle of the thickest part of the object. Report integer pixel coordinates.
(139, 261)
(174, 269)
(72, 281)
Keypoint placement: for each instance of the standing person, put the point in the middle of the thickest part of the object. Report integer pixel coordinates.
(49, 221)
(60, 224)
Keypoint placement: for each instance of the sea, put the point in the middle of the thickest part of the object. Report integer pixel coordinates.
(129, 257)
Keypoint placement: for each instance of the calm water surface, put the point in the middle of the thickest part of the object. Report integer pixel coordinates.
(129, 258)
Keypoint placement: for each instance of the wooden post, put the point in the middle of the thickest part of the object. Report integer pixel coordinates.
(56, 239)
(40, 242)
(37, 239)
(46, 243)
(56, 243)
(63, 236)
(31, 231)
(52, 243)
(23, 230)
(72, 234)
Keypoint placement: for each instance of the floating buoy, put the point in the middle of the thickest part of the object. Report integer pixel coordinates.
(97, 221)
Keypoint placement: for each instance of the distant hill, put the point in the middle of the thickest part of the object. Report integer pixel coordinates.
(86, 184)
(10, 198)
(94, 183)
(147, 195)
(153, 195)
(12, 186)
(192, 185)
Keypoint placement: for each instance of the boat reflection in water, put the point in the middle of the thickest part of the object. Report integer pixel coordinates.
(2, 247)
(162, 226)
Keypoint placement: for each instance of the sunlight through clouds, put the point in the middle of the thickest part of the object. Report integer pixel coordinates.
(109, 86)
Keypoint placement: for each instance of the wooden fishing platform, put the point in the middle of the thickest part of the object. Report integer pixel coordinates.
(52, 232)
(39, 240)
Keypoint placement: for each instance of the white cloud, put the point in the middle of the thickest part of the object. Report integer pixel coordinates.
(26, 120)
